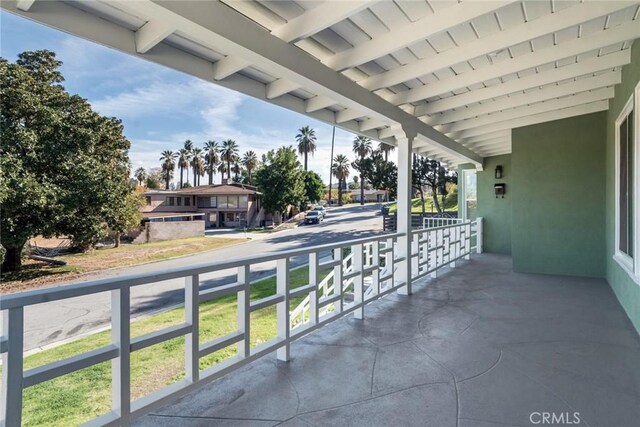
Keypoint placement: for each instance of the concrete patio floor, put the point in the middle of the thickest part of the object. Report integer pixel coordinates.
(479, 346)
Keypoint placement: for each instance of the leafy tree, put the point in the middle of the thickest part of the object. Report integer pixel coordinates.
(432, 175)
(385, 149)
(168, 159)
(250, 163)
(306, 139)
(313, 186)
(126, 216)
(381, 174)
(197, 164)
(229, 154)
(362, 148)
(211, 158)
(184, 157)
(141, 175)
(340, 169)
(280, 180)
(63, 167)
(154, 179)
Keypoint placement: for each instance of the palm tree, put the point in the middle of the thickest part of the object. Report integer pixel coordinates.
(340, 169)
(386, 149)
(306, 139)
(183, 163)
(362, 147)
(236, 172)
(212, 158)
(168, 159)
(141, 175)
(197, 164)
(229, 154)
(222, 168)
(250, 162)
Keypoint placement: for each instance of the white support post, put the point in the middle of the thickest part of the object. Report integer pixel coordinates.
(403, 273)
(244, 319)
(337, 280)
(282, 309)
(121, 365)
(358, 281)
(192, 317)
(12, 370)
(479, 238)
(313, 295)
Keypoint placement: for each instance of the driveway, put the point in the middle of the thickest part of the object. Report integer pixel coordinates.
(61, 320)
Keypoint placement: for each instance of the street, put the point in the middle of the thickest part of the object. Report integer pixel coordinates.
(61, 320)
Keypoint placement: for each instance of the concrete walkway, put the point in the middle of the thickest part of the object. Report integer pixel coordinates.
(479, 346)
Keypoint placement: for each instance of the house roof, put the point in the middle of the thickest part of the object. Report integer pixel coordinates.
(459, 74)
(209, 190)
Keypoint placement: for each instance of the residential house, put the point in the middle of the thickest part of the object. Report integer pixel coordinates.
(223, 205)
(370, 196)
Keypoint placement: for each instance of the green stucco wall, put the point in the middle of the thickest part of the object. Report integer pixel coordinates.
(559, 203)
(496, 212)
(627, 291)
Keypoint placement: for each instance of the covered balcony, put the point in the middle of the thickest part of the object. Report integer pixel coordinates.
(523, 311)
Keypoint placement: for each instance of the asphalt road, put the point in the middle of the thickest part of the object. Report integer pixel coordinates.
(52, 322)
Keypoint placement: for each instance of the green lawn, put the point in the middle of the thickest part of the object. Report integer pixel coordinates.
(416, 208)
(75, 398)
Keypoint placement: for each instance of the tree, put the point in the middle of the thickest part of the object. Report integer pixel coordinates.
(63, 167)
(385, 149)
(211, 158)
(280, 180)
(229, 154)
(313, 186)
(168, 159)
(381, 174)
(184, 158)
(126, 216)
(250, 162)
(306, 139)
(154, 179)
(197, 164)
(141, 175)
(340, 169)
(362, 148)
(431, 174)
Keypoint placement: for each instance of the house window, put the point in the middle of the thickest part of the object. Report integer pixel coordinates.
(222, 202)
(243, 202)
(213, 202)
(178, 201)
(187, 201)
(171, 201)
(627, 192)
(147, 200)
(232, 202)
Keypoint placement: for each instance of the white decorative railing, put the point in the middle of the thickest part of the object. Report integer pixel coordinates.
(430, 222)
(366, 274)
(436, 247)
(372, 257)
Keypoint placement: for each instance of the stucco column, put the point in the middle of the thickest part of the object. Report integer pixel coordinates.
(403, 249)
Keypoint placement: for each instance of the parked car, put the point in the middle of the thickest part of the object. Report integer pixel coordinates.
(322, 210)
(313, 217)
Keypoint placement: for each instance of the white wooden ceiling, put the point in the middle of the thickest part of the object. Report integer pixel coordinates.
(465, 71)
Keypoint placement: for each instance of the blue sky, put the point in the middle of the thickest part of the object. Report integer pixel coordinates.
(160, 107)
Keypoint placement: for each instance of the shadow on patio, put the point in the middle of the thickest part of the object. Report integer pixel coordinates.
(479, 346)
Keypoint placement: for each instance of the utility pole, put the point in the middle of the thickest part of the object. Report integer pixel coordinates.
(333, 137)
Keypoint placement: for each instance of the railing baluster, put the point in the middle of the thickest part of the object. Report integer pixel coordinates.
(415, 255)
(467, 241)
(313, 295)
(121, 365)
(192, 317)
(282, 308)
(337, 279)
(375, 261)
(358, 281)
(243, 303)
(479, 235)
(12, 369)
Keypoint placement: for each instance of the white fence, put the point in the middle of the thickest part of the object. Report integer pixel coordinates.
(365, 274)
(431, 222)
